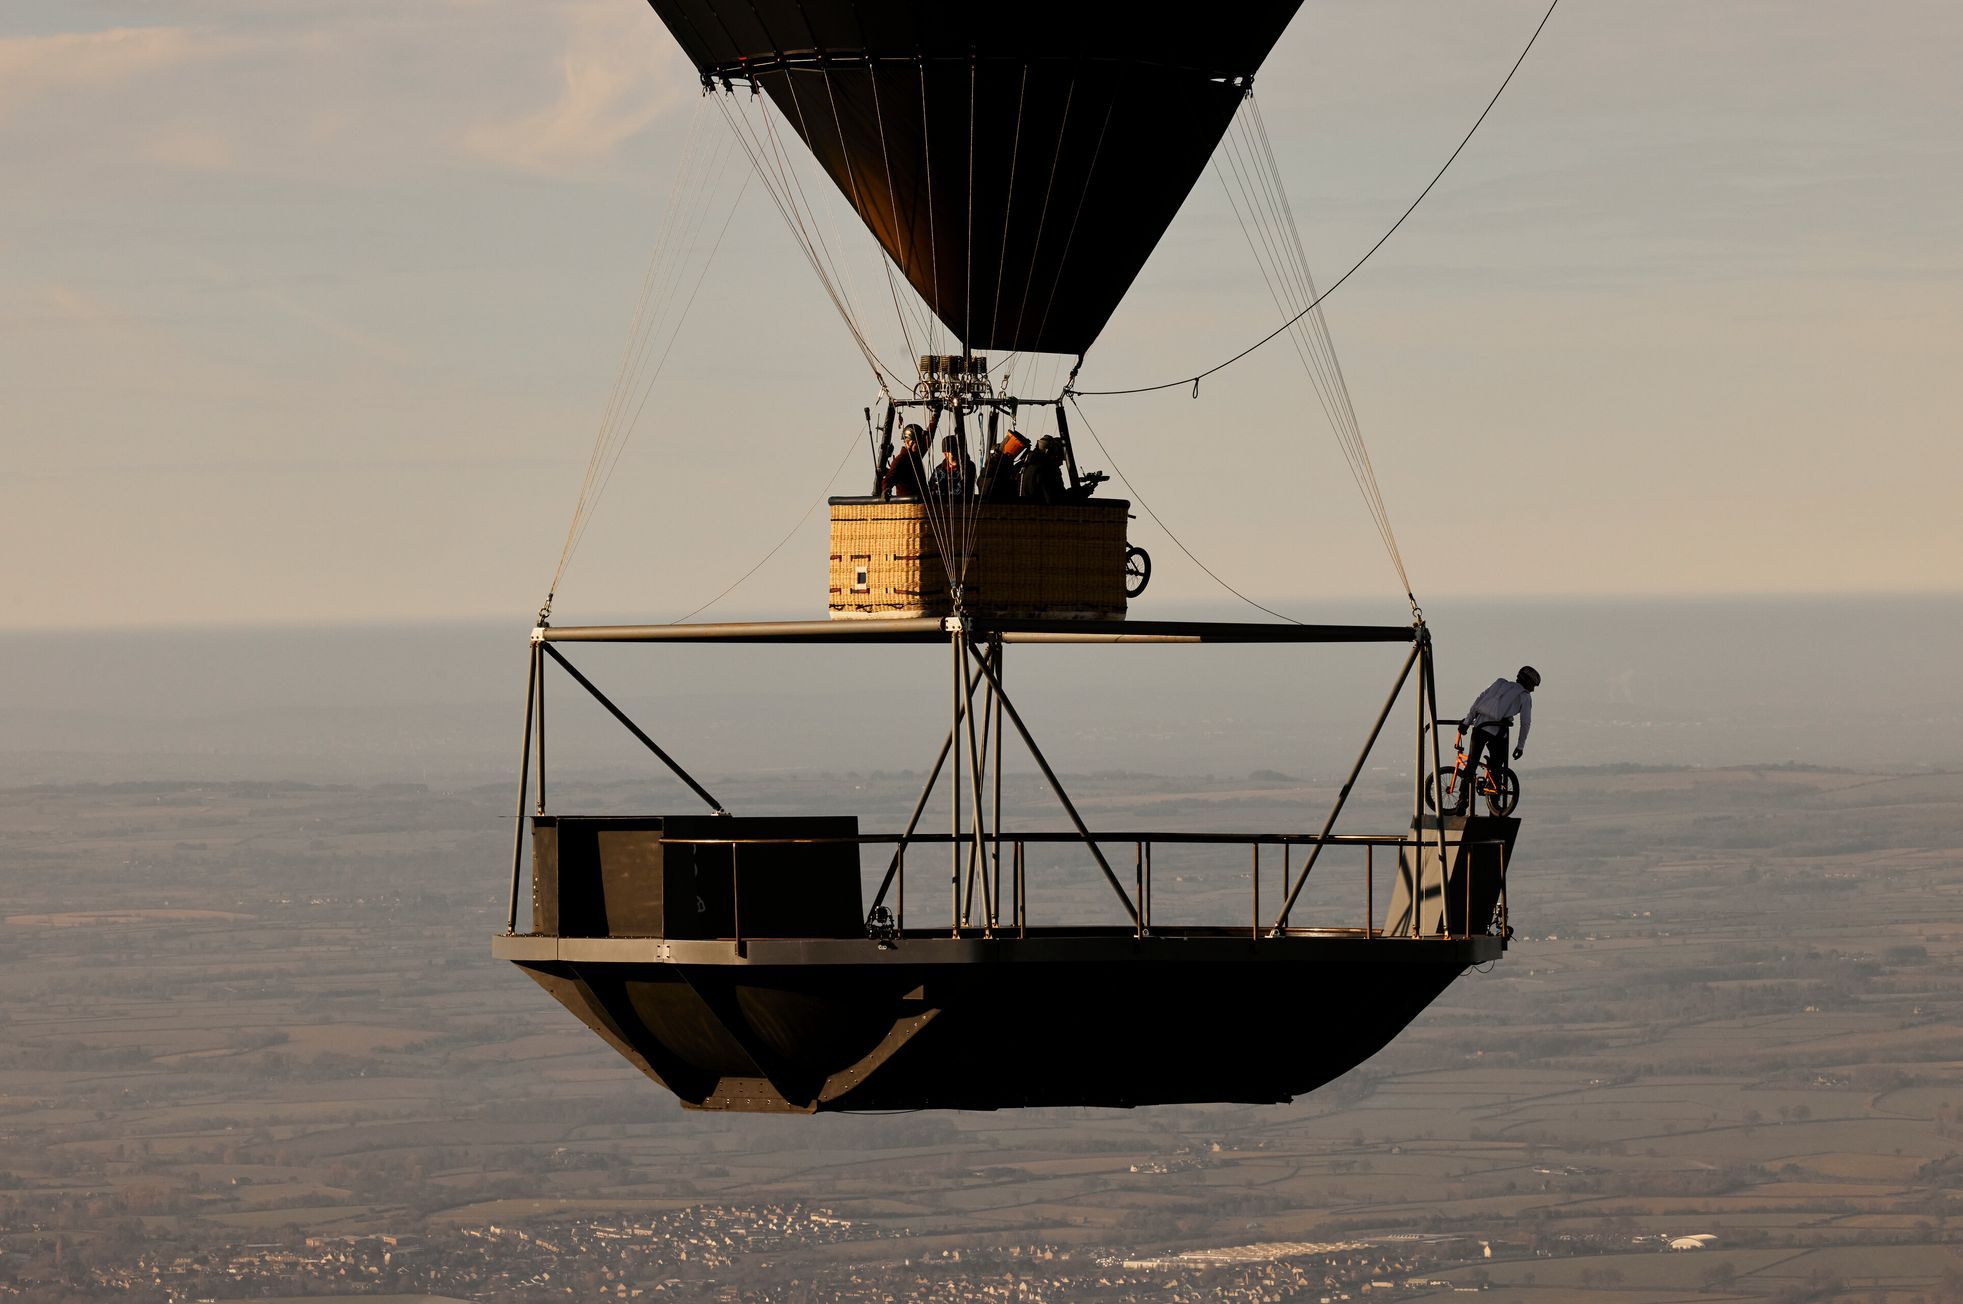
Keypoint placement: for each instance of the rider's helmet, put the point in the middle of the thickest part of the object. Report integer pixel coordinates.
(1529, 678)
(914, 435)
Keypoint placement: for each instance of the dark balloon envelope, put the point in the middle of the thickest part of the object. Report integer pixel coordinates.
(1018, 161)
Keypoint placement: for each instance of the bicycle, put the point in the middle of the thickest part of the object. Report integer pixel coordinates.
(1499, 787)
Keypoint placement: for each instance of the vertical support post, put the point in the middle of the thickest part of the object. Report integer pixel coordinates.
(900, 899)
(1418, 821)
(736, 895)
(994, 705)
(540, 727)
(1369, 890)
(1138, 880)
(1021, 892)
(524, 772)
(1254, 921)
(913, 820)
(1506, 914)
(1465, 848)
(954, 794)
(1430, 683)
(1145, 906)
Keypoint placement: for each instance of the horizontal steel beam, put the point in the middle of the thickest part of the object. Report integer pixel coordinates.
(1117, 835)
(922, 630)
(929, 629)
(1175, 944)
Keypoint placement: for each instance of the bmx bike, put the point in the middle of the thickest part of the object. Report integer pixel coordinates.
(1498, 785)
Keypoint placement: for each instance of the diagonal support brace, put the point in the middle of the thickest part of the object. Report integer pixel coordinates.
(1328, 825)
(1069, 808)
(673, 765)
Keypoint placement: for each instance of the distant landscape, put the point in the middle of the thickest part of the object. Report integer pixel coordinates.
(254, 1044)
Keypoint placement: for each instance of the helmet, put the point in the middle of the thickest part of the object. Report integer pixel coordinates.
(1049, 446)
(914, 435)
(949, 444)
(1528, 677)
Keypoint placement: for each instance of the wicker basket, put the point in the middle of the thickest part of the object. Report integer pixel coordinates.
(1017, 559)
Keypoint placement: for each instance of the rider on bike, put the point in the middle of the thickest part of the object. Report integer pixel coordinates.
(1487, 723)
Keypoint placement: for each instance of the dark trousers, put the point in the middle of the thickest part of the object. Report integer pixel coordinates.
(1493, 740)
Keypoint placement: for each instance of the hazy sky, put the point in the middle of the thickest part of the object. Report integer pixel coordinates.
(309, 308)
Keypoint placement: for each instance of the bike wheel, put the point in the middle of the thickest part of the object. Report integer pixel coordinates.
(1505, 794)
(1138, 571)
(1452, 782)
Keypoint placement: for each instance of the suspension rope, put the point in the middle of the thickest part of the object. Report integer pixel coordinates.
(832, 261)
(647, 390)
(784, 196)
(1070, 237)
(886, 161)
(659, 314)
(927, 152)
(1008, 203)
(1259, 200)
(1193, 381)
(1043, 214)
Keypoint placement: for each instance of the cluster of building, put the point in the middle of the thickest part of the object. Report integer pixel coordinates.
(737, 1253)
(671, 1254)
(753, 1252)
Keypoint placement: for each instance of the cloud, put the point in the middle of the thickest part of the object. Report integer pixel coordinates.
(359, 90)
(33, 67)
(618, 74)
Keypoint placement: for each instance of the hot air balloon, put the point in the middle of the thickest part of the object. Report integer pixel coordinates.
(1017, 164)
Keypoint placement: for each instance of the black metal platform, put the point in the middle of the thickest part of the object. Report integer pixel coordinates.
(735, 961)
(735, 971)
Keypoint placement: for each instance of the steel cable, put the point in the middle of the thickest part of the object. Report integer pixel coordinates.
(1194, 380)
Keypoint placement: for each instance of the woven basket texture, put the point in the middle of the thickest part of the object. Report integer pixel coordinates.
(1013, 559)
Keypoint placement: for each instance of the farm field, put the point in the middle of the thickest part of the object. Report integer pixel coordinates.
(253, 1014)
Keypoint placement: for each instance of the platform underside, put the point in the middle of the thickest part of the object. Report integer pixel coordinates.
(930, 1021)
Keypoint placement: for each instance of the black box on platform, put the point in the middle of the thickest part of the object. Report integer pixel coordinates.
(647, 876)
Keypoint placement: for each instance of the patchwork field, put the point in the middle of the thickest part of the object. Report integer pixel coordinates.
(253, 1013)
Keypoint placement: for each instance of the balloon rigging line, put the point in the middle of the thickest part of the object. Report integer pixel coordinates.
(656, 269)
(1194, 381)
(831, 210)
(1070, 237)
(647, 391)
(886, 161)
(850, 446)
(1043, 214)
(1132, 489)
(755, 150)
(656, 320)
(1009, 200)
(927, 152)
(1262, 209)
(1368, 481)
(802, 203)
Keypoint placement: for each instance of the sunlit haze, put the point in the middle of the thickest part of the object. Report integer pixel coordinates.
(310, 311)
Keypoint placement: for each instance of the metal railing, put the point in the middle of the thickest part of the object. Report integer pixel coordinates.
(985, 873)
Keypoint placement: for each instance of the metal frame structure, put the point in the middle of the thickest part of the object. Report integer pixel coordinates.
(976, 843)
